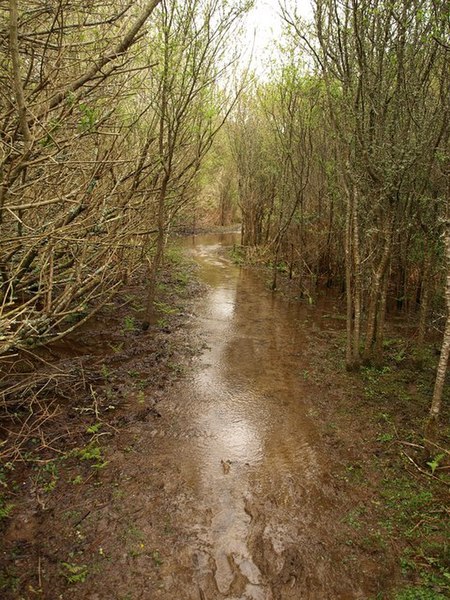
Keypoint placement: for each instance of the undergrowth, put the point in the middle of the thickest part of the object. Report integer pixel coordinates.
(413, 496)
(66, 452)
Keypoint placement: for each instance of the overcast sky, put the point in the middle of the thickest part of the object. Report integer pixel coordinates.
(264, 25)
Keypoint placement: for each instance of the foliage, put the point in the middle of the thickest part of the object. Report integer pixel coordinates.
(418, 593)
(338, 164)
(435, 462)
(129, 324)
(5, 507)
(75, 573)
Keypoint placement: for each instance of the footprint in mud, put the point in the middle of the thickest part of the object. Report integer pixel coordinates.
(234, 577)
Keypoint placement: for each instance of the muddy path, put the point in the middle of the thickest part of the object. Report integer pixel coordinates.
(233, 486)
(248, 489)
(246, 446)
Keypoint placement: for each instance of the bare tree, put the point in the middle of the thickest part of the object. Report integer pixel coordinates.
(63, 163)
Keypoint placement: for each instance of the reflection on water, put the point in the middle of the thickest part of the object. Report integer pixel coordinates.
(235, 436)
(222, 303)
(246, 393)
(244, 401)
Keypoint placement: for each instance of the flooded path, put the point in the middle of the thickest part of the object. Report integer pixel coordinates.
(239, 431)
(222, 456)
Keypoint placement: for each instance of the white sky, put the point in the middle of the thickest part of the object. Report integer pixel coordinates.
(264, 22)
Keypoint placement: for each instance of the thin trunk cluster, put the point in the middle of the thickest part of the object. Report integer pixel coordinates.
(342, 166)
(103, 136)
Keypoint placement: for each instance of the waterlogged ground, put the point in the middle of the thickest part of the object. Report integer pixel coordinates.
(237, 482)
(247, 451)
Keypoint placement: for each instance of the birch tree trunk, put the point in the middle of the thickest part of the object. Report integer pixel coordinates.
(441, 373)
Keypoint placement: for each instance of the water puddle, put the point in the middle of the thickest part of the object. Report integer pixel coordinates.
(248, 440)
(239, 491)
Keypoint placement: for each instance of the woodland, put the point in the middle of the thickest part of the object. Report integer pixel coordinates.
(125, 123)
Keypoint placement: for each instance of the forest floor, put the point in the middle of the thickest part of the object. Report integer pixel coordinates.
(97, 501)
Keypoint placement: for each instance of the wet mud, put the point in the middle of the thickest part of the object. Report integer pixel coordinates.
(258, 513)
(248, 450)
(229, 489)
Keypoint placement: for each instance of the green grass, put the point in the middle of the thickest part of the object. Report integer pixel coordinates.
(129, 324)
(410, 512)
(9, 581)
(418, 593)
(91, 452)
(237, 255)
(353, 517)
(47, 476)
(165, 309)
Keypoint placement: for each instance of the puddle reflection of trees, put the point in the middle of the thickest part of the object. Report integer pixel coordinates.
(248, 403)
(254, 409)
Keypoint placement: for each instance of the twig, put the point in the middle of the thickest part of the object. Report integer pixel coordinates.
(409, 444)
(39, 572)
(423, 471)
(437, 446)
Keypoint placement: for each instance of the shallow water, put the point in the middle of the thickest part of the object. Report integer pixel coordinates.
(246, 444)
(232, 482)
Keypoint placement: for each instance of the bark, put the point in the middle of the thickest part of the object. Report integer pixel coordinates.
(291, 260)
(328, 251)
(381, 318)
(157, 259)
(357, 283)
(376, 290)
(166, 158)
(15, 60)
(20, 101)
(348, 284)
(352, 278)
(441, 372)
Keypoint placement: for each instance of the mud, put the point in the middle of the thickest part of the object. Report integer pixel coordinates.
(229, 490)
(248, 450)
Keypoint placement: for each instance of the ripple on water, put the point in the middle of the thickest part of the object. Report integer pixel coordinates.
(250, 434)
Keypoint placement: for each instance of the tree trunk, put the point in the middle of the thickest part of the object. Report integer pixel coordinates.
(291, 261)
(15, 60)
(375, 295)
(149, 317)
(348, 284)
(381, 318)
(441, 373)
(357, 282)
(275, 267)
(328, 251)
